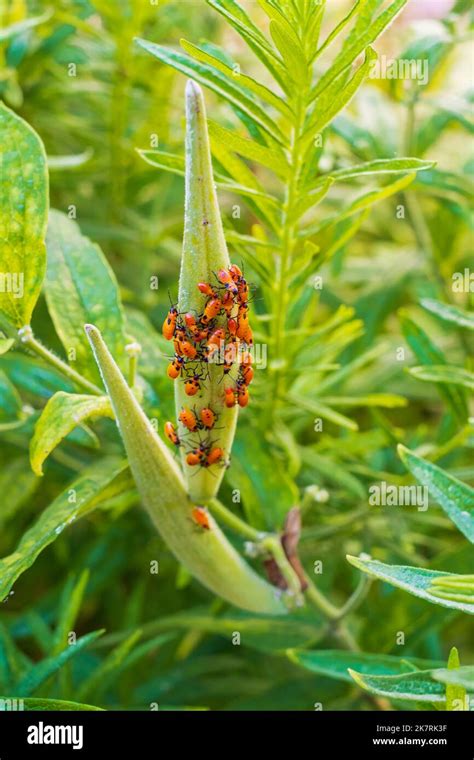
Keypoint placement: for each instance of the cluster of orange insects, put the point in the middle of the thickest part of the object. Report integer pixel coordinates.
(201, 339)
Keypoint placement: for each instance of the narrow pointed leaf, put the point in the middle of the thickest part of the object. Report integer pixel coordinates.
(39, 673)
(418, 686)
(456, 498)
(335, 663)
(447, 313)
(415, 580)
(216, 81)
(350, 52)
(444, 373)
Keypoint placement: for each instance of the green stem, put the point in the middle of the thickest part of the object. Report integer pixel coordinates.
(233, 522)
(27, 339)
(272, 544)
(357, 597)
(287, 243)
(321, 603)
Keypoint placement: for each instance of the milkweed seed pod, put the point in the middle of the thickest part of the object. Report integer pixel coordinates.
(205, 261)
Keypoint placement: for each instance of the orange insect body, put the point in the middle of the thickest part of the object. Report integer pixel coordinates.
(247, 358)
(247, 374)
(235, 272)
(228, 302)
(192, 386)
(193, 459)
(232, 325)
(187, 349)
(243, 395)
(214, 456)
(169, 325)
(225, 279)
(243, 291)
(211, 310)
(188, 419)
(206, 289)
(171, 434)
(230, 399)
(208, 417)
(201, 517)
(174, 369)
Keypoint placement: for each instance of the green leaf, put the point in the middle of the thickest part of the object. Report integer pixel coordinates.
(62, 413)
(451, 314)
(39, 673)
(80, 498)
(428, 354)
(236, 75)
(415, 580)
(224, 86)
(241, 22)
(23, 217)
(311, 199)
(20, 27)
(253, 472)
(379, 166)
(80, 287)
(456, 498)
(336, 664)
(266, 633)
(71, 600)
(5, 345)
(39, 704)
(455, 693)
(324, 113)
(269, 157)
(101, 676)
(461, 677)
(444, 373)
(417, 686)
(289, 46)
(356, 45)
(10, 401)
(384, 400)
(319, 408)
(18, 484)
(363, 202)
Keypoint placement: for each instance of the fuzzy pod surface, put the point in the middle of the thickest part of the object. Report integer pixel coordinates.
(206, 553)
(204, 254)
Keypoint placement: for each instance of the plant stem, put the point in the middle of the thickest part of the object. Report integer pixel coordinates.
(357, 597)
(27, 339)
(321, 603)
(287, 243)
(233, 522)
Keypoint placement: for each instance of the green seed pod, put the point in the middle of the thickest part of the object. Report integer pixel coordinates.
(204, 254)
(204, 551)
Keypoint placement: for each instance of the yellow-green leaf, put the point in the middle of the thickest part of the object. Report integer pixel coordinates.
(23, 217)
(62, 413)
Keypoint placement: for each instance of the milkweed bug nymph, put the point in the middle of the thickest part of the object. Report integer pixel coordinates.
(230, 399)
(169, 325)
(208, 418)
(214, 456)
(192, 385)
(201, 517)
(242, 394)
(225, 279)
(171, 434)
(211, 310)
(188, 419)
(174, 369)
(206, 289)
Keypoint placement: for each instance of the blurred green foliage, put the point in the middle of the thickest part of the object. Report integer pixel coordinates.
(371, 353)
